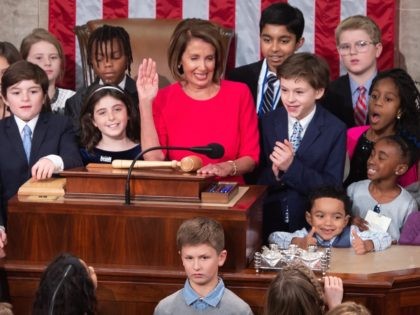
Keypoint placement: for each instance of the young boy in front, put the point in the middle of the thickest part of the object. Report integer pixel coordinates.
(281, 29)
(304, 146)
(328, 217)
(201, 244)
(359, 45)
(109, 54)
(33, 142)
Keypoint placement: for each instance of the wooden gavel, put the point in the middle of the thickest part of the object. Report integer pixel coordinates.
(187, 164)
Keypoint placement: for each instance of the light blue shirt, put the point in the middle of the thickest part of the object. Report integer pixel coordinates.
(201, 303)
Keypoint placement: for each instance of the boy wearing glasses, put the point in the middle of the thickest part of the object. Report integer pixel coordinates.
(359, 45)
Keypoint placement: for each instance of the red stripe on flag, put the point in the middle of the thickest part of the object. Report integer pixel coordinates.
(112, 9)
(384, 13)
(267, 3)
(62, 20)
(223, 13)
(327, 17)
(168, 9)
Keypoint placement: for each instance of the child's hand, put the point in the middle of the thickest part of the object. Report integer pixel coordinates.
(360, 246)
(282, 155)
(333, 290)
(3, 238)
(43, 169)
(147, 80)
(362, 224)
(304, 242)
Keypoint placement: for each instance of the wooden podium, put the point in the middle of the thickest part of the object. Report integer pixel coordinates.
(104, 230)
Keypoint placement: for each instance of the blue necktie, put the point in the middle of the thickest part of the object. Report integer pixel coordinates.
(27, 141)
(296, 137)
(268, 99)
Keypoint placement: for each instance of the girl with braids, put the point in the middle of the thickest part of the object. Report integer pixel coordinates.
(108, 132)
(43, 49)
(67, 287)
(394, 108)
(8, 55)
(109, 54)
(296, 291)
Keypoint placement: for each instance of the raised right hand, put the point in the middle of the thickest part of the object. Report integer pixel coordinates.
(147, 80)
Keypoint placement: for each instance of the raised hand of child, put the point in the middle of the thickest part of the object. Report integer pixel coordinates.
(360, 246)
(362, 224)
(333, 290)
(282, 156)
(147, 81)
(43, 169)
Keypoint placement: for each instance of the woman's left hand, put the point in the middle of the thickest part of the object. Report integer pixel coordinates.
(221, 169)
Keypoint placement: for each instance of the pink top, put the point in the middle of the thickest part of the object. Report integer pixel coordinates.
(228, 118)
(353, 135)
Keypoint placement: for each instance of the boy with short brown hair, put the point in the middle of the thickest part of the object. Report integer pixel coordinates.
(201, 243)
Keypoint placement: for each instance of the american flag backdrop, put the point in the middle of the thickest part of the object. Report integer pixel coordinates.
(321, 18)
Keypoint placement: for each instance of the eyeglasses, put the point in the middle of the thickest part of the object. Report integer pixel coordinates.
(361, 46)
(377, 208)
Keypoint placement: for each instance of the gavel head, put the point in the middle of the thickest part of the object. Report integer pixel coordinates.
(190, 163)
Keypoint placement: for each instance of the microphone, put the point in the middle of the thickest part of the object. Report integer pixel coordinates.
(212, 150)
(66, 272)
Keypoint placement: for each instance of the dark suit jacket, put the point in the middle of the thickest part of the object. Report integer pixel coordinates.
(249, 75)
(53, 134)
(318, 161)
(338, 100)
(74, 104)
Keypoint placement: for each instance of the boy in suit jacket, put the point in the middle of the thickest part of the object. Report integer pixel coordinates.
(358, 41)
(281, 29)
(309, 144)
(110, 56)
(33, 143)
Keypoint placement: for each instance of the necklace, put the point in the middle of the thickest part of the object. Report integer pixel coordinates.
(55, 96)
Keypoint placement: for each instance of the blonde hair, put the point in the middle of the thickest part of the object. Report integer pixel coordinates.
(359, 22)
(42, 35)
(349, 308)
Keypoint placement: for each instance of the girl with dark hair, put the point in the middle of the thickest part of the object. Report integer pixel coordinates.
(67, 287)
(394, 108)
(109, 126)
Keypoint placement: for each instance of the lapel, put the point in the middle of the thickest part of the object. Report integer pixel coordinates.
(15, 138)
(348, 101)
(313, 131)
(39, 135)
(281, 126)
(253, 78)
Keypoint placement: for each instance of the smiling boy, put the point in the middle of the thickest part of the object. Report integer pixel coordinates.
(328, 217)
(304, 146)
(281, 30)
(201, 244)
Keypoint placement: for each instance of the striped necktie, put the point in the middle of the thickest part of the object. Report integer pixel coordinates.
(360, 111)
(268, 99)
(27, 140)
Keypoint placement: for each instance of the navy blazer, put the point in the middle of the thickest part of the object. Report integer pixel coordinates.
(338, 100)
(74, 104)
(318, 161)
(53, 134)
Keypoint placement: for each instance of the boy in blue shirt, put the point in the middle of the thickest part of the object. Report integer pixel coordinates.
(201, 244)
(329, 217)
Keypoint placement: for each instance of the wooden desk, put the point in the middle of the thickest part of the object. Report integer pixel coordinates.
(132, 277)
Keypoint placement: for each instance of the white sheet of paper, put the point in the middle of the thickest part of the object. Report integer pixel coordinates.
(377, 222)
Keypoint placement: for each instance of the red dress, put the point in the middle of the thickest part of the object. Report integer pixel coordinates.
(228, 118)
